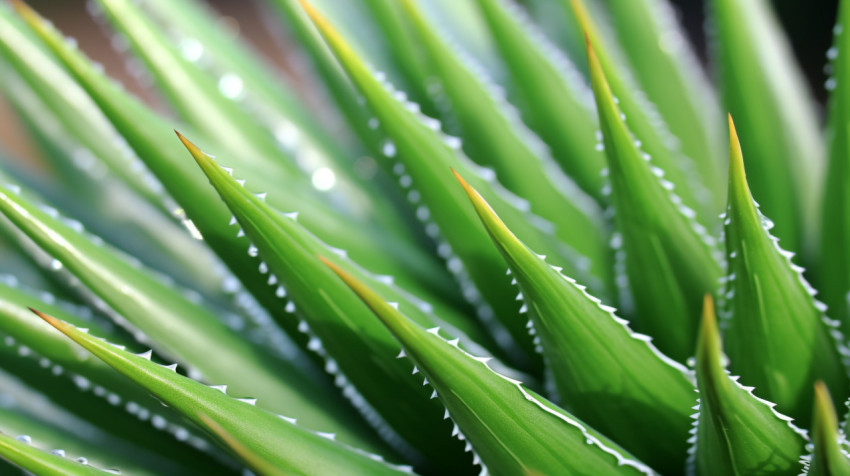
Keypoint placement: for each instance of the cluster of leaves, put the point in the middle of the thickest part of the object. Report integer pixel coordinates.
(333, 287)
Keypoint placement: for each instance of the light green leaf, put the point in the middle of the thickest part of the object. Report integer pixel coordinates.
(777, 337)
(509, 429)
(272, 98)
(833, 270)
(767, 95)
(656, 235)
(649, 129)
(829, 458)
(359, 352)
(669, 72)
(69, 104)
(494, 136)
(424, 157)
(279, 441)
(736, 432)
(41, 462)
(613, 379)
(553, 98)
(162, 315)
(146, 133)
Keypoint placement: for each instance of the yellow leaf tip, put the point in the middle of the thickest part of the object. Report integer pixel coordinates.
(49, 319)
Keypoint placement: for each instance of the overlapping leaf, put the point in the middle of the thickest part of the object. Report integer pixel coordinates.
(737, 432)
(494, 136)
(829, 458)
(834, 263)
(423, 159)
(657, 236)
(279, 441)
(553, 97)
(358, 351)
(766, 94)
(179, 327)
(510, 429)
(605, 374)
(647, 126)
(778, 337)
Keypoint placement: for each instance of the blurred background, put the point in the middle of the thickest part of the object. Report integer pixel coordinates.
(808, 24)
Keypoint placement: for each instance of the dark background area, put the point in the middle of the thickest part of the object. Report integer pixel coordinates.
(808, 23)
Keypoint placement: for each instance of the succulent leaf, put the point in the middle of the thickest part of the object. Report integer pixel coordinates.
(834, 264)
(594, 357)
(829, 458)
(423, 160)
(160, 315)
(552, 96)
(358, 351)
(668, 71)
(494, 136)
(279, 441)
(766, 94)
(737, 432)
(774, 314)
(656, 235)
(41, 462)
(510, 429)
(646, 124)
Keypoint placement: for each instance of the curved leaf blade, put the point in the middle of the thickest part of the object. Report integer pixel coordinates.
(494, 136)
(651, 131)
(41, 462)
(424, 159)
(160, 315)
(613, 379)
(657, 235)
(510, 429)
(834, 265)
(774, 314)
(766, 94)
(358, 351)
(828, 458)
(277, 440)
(737, 432)
(554, 99)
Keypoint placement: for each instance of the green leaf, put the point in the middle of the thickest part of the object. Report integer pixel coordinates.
(407, 54)
(494, 136)
(737, 432)
(834, 264)
(146, 132)
(613, 379)
(778, 337)
(767, 95)
(669, 72)
(40, 462)
(279, 441)
(272, 101)
(553, 98)
(657, 235)
(162, 315)
(510, 429)
(69, 104)
(359, 352)
(205, 104)
(828, 458)
(100, 448)
(424, 157)
(649, 129)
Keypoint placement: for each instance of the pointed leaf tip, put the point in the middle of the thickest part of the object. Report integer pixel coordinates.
(709, 346)
(737, 172)
(50, 319)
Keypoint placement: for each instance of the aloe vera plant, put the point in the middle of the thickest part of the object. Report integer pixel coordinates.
(465, 238)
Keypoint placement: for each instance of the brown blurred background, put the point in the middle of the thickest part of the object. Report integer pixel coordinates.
(808, 23)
